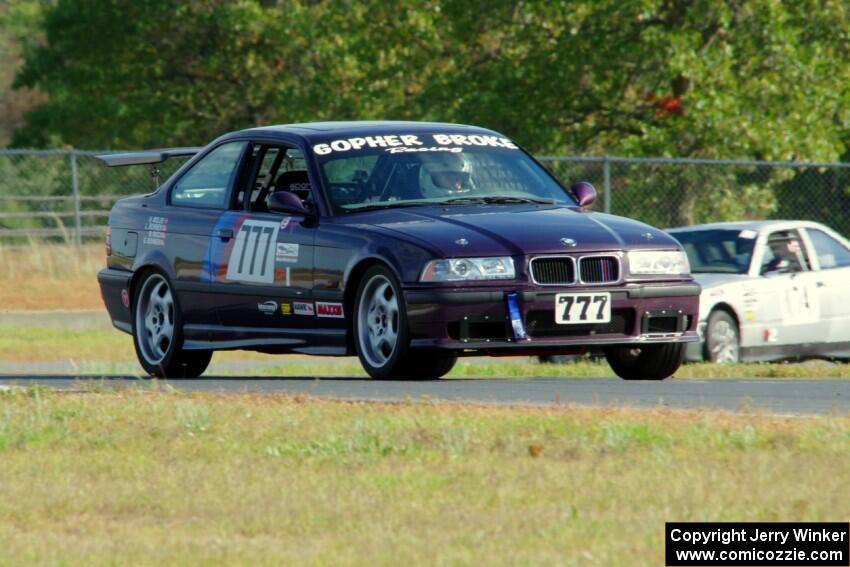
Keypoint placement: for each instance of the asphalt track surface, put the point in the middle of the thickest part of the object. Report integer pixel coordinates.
(792, 397)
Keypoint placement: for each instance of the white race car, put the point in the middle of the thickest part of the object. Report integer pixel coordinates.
(771, 290)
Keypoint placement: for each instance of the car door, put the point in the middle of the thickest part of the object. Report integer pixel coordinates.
(261, 262)
(833, 281)
(789, 288)
(182, 228)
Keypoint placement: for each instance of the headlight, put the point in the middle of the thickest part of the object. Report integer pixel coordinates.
(466, 269)
(658, 262)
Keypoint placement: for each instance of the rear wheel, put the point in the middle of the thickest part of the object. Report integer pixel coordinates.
(722, 338)
(158, 335)
(381, 335)
(646, 362)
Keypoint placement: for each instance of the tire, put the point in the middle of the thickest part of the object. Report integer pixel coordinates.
(559, 358)
(426, 367)
(722, 338)
(381, 335)
(158, 332)
(647, 362)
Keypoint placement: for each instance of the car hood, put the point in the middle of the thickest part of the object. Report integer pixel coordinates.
(710, 281)
(485, 230)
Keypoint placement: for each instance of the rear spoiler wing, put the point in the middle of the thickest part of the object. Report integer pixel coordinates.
(147, 157)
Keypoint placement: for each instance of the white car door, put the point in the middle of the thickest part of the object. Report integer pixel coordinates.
(833, 281)
(790, 288)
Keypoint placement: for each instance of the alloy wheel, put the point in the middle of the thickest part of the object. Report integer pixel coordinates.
(155, 319)
(378, 321)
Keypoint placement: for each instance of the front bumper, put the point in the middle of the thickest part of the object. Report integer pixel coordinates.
(477, 319)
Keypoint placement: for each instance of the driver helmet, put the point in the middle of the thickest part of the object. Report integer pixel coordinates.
(444, 175)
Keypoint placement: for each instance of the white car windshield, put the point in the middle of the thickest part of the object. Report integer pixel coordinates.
(422, 169)
(721, 251)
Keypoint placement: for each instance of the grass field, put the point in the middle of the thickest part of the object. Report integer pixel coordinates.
(149, 477)
(43, 276)
(109, 351)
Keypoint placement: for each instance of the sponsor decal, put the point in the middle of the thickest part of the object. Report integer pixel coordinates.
(326, 309)
(281, 274)
(286, 309)
(407, 150)
(252, 257)
(267, 307)
(284, 222)
(771, 335)
(125, 297)
(157, 230)
(303, 308)
(516, 317)
(286, 252)
(412, 143)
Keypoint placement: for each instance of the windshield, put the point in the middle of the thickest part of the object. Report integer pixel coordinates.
(718, 251)
(408, 170)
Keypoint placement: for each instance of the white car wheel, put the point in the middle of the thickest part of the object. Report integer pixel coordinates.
(722, 339)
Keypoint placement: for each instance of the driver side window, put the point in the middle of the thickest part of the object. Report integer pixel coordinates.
(784, 252)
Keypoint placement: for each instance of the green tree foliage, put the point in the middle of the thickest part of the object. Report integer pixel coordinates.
(19, 28)
(761, 79)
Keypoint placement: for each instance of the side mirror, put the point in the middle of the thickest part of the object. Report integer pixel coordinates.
(584, 193)
(287, 203)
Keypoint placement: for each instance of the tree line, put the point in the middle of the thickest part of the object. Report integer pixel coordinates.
(756, 79)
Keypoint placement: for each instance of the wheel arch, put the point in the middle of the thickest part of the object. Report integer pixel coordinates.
(723, 306)
(139, 276)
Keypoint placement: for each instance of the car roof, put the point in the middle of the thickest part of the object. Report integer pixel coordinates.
(749, 225)
(323, 130)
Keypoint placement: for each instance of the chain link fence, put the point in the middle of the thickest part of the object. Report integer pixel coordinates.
(679, 192)
(67, 194)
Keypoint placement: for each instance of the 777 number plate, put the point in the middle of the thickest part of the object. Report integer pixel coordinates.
(582, 308)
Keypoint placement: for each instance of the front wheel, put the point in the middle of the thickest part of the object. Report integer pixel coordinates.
(646, 362)
(381, 336)
(722, 338)
(158, 334)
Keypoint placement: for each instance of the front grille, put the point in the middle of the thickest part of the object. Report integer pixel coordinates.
(553, 270)
(599, 269)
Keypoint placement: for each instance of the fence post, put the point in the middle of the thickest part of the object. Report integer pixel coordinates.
(606, 183)
(75, 188)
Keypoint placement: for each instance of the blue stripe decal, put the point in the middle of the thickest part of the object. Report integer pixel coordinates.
(216, 259)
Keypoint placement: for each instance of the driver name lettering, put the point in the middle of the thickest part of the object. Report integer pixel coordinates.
(157, 230)
(409, 142)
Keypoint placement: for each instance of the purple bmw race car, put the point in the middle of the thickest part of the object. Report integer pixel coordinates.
(408, 244)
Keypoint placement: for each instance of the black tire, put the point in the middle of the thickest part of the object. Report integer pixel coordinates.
(171, 361)
(646, 362)
(380, 312)
(559, 358)
(426, 366)
(722, 338)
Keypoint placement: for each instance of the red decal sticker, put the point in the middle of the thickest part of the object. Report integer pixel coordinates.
(329, 310)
